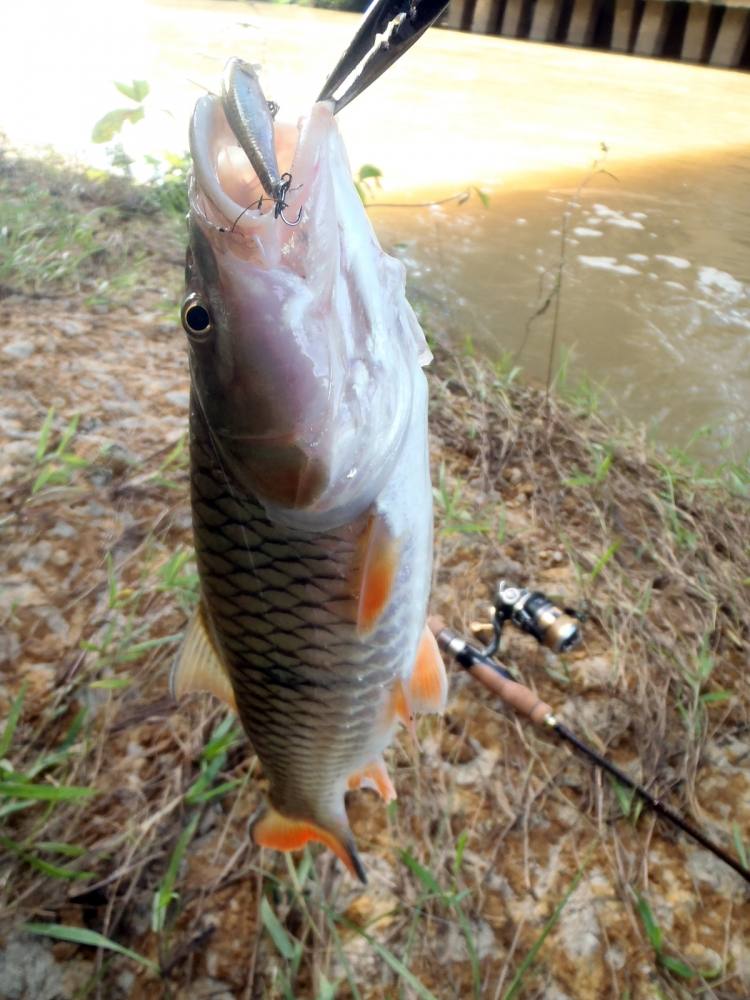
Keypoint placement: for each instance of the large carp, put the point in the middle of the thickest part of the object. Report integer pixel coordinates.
(311, 498)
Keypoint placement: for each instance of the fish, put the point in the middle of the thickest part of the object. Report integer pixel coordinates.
(310, 479)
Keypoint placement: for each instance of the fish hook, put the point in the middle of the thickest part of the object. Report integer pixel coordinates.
(280, 202)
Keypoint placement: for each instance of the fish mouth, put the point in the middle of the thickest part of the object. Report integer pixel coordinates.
(226, 194)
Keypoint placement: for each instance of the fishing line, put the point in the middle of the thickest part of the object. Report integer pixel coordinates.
(533, 613)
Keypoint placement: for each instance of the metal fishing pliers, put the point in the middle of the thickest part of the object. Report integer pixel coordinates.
(388, 29)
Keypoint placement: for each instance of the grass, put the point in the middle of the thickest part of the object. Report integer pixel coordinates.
(125, 820)
(61, 229)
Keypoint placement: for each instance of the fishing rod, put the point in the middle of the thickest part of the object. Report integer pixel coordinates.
(533, 613)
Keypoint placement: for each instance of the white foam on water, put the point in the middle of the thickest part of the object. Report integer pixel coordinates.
(585, 231)
(606, 264)
(639, 258)
(711, 279)
(678, 262)
(615, 218)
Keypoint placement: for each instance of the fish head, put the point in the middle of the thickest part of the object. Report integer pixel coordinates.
(304, 352)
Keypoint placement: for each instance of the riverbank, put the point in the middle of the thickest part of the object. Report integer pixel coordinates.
(506, 867)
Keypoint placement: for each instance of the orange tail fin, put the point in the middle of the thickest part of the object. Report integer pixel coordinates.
(283, 833)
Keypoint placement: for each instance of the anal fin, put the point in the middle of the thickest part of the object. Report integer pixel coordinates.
(198, 667)
(375, 776)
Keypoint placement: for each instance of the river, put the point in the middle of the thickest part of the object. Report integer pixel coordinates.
(655, 295)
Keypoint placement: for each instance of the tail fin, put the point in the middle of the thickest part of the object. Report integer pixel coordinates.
(283, 833)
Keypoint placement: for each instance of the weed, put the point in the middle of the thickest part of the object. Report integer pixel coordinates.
(655, 936)
(451, 900)
(531, 956)
(455, 516)
(90, 939)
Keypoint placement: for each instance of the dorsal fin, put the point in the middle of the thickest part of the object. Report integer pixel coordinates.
(197, 666)
(376, 572)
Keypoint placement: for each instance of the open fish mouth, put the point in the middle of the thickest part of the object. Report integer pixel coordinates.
(226, 190)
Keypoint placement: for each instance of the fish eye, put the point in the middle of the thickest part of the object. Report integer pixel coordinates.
(196, 318)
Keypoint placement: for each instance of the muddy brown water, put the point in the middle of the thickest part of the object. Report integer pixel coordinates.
(656, 287)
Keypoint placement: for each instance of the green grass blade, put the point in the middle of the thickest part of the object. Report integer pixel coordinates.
(395, 963)
(653, 930)
(165, 893)
(13, 716)
(426, 877)
(81, 935)
(277, 933)
(530, 958)
(45, 793)
(44, 434)
(44, 867)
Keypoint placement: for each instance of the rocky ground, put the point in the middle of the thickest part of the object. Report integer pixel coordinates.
(507, 867)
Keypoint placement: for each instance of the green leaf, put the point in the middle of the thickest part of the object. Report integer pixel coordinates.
(81, 935)
(137, 91)
(60, 847)
(107, 127)
(53, 871)
(653, 930)
(326, 989)
(711, 697)
(13, 716)
(483, 197)
(426, 877)
(111, 683)
(461, 842)
(278, 935)
(368, 171)
(44, 433)
(45, 793)
(603, 559)
(675, 965)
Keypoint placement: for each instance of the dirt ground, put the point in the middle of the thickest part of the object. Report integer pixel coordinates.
(507, 867)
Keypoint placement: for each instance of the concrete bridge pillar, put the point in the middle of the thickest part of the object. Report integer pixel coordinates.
(732, 37)
(652, 29)
(694, 41)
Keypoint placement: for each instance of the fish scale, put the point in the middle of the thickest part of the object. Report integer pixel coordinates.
(265, 681)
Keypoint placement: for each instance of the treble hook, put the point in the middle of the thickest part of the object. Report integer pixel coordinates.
(280, 203)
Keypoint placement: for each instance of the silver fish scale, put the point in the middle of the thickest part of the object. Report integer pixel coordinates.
(310, 694)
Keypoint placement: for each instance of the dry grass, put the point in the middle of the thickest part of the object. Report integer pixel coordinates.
(506, 867)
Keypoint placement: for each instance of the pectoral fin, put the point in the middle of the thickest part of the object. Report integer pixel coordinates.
(428, 684)
(376, 573)
(198, 667)
(283, 833)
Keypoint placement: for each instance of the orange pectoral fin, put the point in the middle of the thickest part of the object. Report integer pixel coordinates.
(378, 565)
(374, 776)
(428, 685)
(282, 833)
